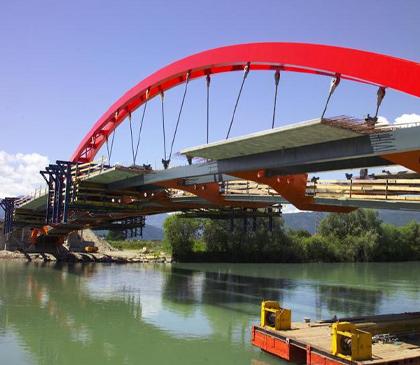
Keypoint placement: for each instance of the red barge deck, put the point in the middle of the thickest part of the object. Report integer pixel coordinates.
(311, 344)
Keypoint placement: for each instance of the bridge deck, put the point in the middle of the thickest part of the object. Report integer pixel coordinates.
(296, 135)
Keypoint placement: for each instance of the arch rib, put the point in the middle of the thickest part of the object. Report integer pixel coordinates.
(361, 66)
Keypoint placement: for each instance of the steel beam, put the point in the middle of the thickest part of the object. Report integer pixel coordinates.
(315, 158)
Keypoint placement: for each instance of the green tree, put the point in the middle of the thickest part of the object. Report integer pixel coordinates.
(115, 235)
(180, 235)
(395, 245)
(411, 233)
(356, 223)
(318, 248)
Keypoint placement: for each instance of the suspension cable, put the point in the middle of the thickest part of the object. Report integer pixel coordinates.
(109, 150)
(246, 71)
(165, 162)
(131, 137)
(333, 85)
(208, 80)
(187, 79)
(276, 82)
(141, 126)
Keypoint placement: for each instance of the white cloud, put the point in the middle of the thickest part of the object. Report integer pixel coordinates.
(382, 121)
(402, 119)
(407, 119)
(19, 173)
(289, 208)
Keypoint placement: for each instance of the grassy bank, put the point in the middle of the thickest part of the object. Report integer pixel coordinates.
(152, 246)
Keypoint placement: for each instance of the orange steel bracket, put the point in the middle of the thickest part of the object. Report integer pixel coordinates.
(411, 160)
(209, 192)
(293, 189)
(36, 232)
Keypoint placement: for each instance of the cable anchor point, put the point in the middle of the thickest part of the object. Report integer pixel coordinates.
(165, 163)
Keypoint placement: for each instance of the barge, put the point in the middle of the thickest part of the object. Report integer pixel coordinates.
(369, 340)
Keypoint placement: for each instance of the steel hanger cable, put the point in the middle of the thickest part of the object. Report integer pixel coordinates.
(276, 82)
(208, 80)
(246, 71)
(380, 96)
(108, 149)
(333, 85)
(131, 138)
(165, 162)
(371, 121)
(141, 126)
(187, 78)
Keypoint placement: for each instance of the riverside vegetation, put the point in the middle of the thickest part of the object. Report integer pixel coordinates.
(354, 237)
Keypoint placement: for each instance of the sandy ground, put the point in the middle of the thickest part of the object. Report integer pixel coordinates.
(126, 256)
(73, 251)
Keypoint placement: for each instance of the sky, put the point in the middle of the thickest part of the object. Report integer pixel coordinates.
(63, 63)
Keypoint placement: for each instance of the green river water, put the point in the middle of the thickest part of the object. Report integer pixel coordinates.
(181, 313)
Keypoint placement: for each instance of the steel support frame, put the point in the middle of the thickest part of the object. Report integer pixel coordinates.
(131, 226)
(60, 184)
(8, 205)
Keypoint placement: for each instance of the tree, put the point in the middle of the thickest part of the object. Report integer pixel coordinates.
(115, 235)
(180, 234)
(356, 223)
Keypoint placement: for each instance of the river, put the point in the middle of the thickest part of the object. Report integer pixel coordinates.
(181, 313)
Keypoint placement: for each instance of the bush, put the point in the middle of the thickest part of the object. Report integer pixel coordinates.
(152, 246)
(319, 248)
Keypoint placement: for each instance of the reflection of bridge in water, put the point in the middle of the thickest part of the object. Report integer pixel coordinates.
(120, 314)
(242, 177)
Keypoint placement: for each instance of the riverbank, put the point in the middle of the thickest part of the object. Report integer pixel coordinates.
(121, 257)
(19, 247)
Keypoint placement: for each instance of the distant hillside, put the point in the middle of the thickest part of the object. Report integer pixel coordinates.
(154, 227)
(310, 220)
(156, 220)
(152, 233)
(304, 220)
(149, 233)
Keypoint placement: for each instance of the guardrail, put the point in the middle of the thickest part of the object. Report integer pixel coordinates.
(79, 171)
(86, 170)
(378, 189)
(375, 189)
(233, 187)
(398, 126)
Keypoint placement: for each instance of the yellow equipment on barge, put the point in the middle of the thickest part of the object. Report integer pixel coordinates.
(369, 340)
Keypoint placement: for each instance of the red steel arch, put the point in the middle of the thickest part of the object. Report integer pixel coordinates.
(351, 64)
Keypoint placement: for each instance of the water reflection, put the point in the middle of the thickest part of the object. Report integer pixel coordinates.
(189, 314)
(243, 293)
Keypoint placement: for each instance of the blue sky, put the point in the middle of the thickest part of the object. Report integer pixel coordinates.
(63, 64)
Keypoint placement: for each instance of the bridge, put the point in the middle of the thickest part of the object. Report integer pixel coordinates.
(242, 177)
